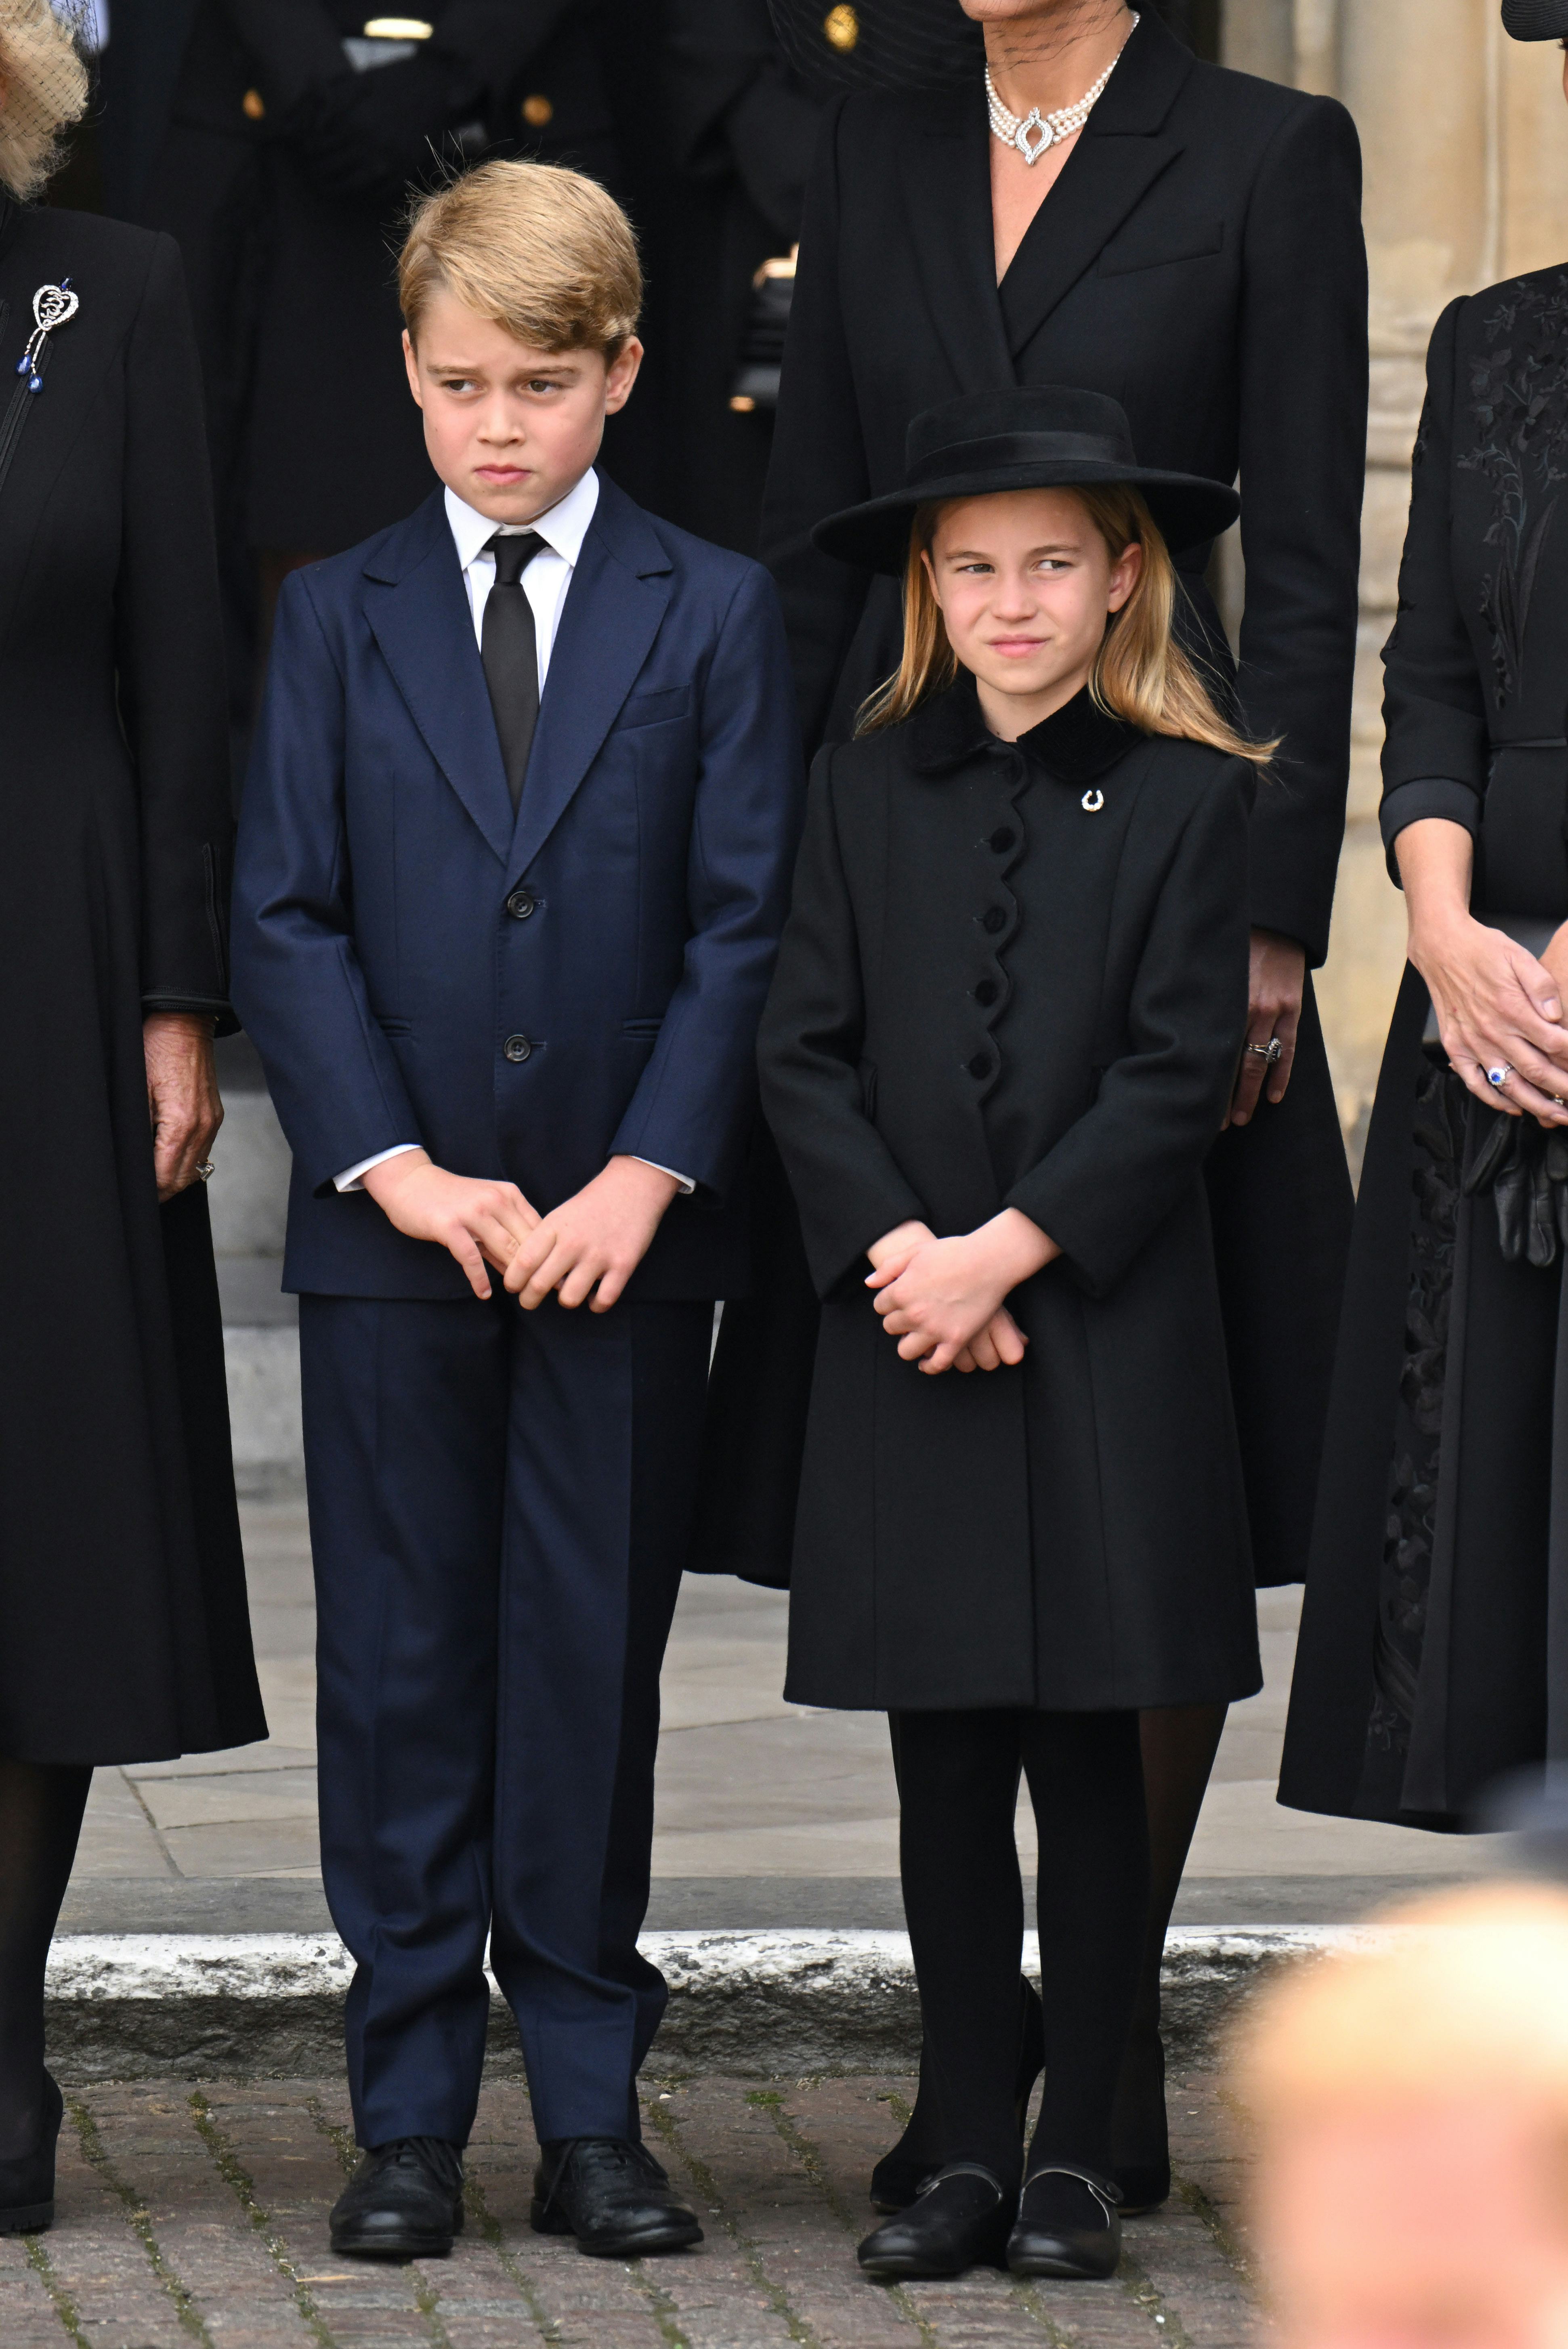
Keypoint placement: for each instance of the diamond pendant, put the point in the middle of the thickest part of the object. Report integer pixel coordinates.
(1044, 136)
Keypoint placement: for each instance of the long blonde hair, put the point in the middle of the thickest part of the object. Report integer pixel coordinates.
(1141, 674)
(45, 91)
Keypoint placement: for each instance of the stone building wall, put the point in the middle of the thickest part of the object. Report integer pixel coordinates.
(1465, 138)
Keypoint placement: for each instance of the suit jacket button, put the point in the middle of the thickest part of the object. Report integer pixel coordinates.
(517, 1048)
(521, 904)
(994, 919)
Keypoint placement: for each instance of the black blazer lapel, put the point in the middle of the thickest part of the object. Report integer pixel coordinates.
(613, 612)
(1123, 148)
(945, 172)
(419, 616)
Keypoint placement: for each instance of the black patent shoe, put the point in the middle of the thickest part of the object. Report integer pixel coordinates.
(1068, 2225)
(1140, 2142)
(27, 2184)
(405, 2201)
(901, 2173)
(612, 2196)
(959, 2219)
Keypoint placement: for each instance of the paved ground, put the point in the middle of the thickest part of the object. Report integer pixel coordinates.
(197, 2215)
(768, 1813)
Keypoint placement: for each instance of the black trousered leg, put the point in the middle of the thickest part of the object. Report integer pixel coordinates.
(500, 1504)
(958, 1776)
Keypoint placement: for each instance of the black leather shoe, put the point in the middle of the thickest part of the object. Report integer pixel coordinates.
(405, 2201)
(612, 2196)
(27, 2184)
(1068, 2225)
(1140, 2145)
(901, 2173)
(958, 2220)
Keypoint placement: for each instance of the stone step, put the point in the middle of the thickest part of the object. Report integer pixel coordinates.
(765, 2004)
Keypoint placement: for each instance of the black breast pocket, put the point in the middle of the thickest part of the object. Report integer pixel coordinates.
(1159, 244)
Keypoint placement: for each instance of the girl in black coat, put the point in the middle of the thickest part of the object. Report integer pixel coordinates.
(1194, 251)
(123, 1630)
(1009, 1005)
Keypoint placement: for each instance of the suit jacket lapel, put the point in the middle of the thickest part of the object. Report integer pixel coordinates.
(613, 612)
(945, 169)
(420, 614)
(1122, 151)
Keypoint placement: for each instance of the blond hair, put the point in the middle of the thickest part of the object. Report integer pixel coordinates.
(537, 249)
(1460, 1993)
(1140, 675)
(45, 91)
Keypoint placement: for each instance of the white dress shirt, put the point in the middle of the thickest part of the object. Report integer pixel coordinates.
(544, 581)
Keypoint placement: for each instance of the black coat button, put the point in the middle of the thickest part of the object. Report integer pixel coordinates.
(986, 992)
(521, 904)
(1004, 838)
(994, 919)
(980, 1066)
(517, 1048)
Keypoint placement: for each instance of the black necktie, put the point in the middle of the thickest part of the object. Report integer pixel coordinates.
(510, 650)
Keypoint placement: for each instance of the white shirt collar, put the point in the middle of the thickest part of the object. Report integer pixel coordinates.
(563, 528)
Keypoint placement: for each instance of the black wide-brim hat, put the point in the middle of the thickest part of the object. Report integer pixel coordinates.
(1034, 436)
(878, 43)
(1535, 20)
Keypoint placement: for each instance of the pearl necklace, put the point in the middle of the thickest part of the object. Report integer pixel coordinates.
(1035, 133)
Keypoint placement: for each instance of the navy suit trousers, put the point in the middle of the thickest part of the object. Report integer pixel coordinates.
(500, 1503)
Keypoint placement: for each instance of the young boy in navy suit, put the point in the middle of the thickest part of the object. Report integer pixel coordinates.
(513, 862)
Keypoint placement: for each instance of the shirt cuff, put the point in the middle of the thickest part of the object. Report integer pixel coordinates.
(686, 1185)
(1412, 803)
(351, 1179)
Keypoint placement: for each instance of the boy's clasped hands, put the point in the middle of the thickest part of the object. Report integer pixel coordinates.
(943, 1301)
(584, 1251)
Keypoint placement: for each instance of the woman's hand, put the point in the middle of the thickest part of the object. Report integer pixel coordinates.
(947, 1294)
(475, 1222)
(182, 1098)
(1275, 989)
(1495, 1006)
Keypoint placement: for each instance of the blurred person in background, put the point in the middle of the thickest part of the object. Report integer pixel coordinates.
(277, 141)
(1410, 2104)
(123, 1628)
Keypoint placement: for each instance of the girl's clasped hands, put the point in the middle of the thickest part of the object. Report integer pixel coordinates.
(942, 1299)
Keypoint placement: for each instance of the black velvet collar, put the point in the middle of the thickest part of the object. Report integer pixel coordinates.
(1076, 743)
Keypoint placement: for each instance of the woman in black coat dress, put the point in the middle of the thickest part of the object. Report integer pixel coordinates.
(1198, 257)
(123, 1630)
(1433, 1653)
(1009, 1004)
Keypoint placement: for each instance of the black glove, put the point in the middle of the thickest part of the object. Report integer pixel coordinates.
(1526, 1170)
(364, 136)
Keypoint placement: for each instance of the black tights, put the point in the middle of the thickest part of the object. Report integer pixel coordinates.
(958, 1780)
(41, 1807)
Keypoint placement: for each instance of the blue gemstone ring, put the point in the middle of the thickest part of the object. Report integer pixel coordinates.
(1497, 1077)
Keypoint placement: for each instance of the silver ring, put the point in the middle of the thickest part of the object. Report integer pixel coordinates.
(1271, 1052)
(1497, 1077)
(204, 1172)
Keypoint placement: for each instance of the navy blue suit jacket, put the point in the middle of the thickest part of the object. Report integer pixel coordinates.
(396, 929)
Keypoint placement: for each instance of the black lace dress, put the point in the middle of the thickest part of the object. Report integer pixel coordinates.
(1434, 1645)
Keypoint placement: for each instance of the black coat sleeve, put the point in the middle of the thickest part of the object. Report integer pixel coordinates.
(1303, 458)
(735, 112)
(1119, 1169)
(819, 461)
(1435, 742)
(849, 1187)
(171, 681)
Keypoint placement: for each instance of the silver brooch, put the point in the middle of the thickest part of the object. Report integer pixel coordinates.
(1092, 801)
(53, 305)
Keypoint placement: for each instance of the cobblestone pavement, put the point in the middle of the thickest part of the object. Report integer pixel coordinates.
(198, 2216)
